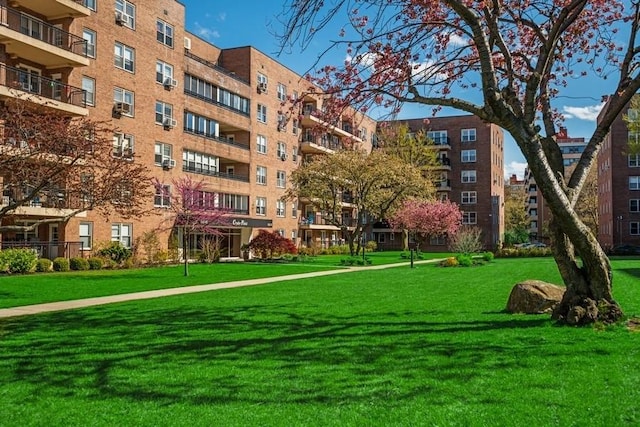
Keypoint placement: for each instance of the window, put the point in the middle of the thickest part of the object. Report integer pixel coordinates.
(533, 212)
(164, 33)
(437, 240)
(262, 113)
(208, 92)
(469, 197)
(86, 234)
(123, 96)
(124, 57)
(281, 207)
(261, 205)
(294, 153)
(162, 198)
(282, 123)
(127, 12)
(281, 179)
(468, 135)
(261, 142)
(205, 164)
(468, 176)
(262, 83)
(634, 160)
(294, 235)
(90, 46)
(439, 137)
(164, 113)
(261, 175)
(163, 153)
(634, 183)
(200, 125)
(89, 87)
(468, 156)
(282, 150)
(123, 145)
(164, 73)
(469, 217)
(295, 126)
(634, 138)
(282, 92)
(121, 233)
(294, 209)
(91, 4)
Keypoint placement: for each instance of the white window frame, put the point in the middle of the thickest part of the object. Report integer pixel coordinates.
(282, 149)
(634, 183)
(118, 231)
(162, 196)
(281, 179)
(164, 71)
(439, 137)
(262, 113)
(469, 218)
(261, 206)
(123, 145)
(469, 197)
(89, 87)
(128, 9)
(282, 92)
(124, 57)
(126, 97)
(634, 228)
(468, 135)
(261, 175)
(90, 37)
(634, 160)
(85, 233)
(164, 111)
(163, 29)
(468, 156)
(261, 144)
(90, 4)
(162, 152)
(281, 208)
(468, 176)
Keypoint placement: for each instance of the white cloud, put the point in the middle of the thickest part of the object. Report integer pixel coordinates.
(516, 168)
(456, 40)
(206, 33)
(590, 112)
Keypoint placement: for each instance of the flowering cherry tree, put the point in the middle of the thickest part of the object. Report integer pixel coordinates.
(192, 209)
(424, 219)
(506, 61)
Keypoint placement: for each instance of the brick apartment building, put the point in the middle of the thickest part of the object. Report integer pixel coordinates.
(619, 187)
(181, 106)
(471, 154)
(538, 212)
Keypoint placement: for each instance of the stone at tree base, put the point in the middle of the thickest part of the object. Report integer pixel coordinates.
(534, 297)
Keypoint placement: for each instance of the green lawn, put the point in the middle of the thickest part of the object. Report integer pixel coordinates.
(402, 347)
(41, 288)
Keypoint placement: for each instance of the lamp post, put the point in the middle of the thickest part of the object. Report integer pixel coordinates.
(619, 218)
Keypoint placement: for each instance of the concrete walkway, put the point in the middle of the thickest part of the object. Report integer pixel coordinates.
(26, 310)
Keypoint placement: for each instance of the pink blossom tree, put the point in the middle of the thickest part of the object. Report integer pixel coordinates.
(506, 62)
(424, 219)
(193, 210)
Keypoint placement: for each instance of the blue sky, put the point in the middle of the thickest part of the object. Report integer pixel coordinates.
(227, 23)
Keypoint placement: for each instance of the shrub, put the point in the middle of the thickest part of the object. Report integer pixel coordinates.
(523, 252)
(115, 251)
(211, 250)
(355, 260)
(271, 244)
(18, 261)
(60, 264)
(150, 244)
(95, 263)
(161, 257)
(128, 264)
(464, 260)
(78, 264)
(371, 246)
(449, 262)
(43, 265)
(108, 264)
(467, 241)
(488, 256)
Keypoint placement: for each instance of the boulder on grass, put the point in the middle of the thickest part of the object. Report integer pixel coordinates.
(534, 297)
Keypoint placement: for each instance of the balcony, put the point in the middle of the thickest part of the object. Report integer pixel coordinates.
(441, 143)
(54, 9)
(444, 163)
(311, 119)
(50, 204)
(219, 138)
(26, 37)
(215, 173)
(17, 83)
(318, 145)
(313, 222)
(444, 185)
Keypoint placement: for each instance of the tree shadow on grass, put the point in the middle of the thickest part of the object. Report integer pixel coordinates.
(256, 354)
(633, 272)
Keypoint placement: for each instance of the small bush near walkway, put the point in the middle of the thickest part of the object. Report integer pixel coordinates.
(18, 261)
(60, 264)
(78, 264)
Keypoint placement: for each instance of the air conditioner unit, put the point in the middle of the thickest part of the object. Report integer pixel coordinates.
(187, 43)
(121, 19)
(122, 108)
(168, 163)
(262, 87)
(284, 156)
(168, 122)
(170, 83)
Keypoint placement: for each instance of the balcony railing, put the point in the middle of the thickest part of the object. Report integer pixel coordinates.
(48, 250)
(40, 30)
(54, 199)
(215, 66)
(214, 102)
(23, 80)
(209, 172)
(331, 145)
(216, 138)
